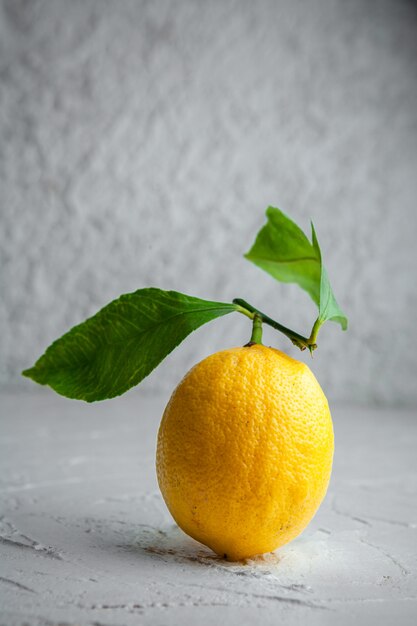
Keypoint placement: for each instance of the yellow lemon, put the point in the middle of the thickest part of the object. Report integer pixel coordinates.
(245, 450)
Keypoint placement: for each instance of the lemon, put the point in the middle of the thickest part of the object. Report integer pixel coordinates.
(245, 450)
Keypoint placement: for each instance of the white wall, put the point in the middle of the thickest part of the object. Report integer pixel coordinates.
(140, 143)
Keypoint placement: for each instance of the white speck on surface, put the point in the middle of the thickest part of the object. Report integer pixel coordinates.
(91, 541)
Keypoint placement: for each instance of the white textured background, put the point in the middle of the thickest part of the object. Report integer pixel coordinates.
(140, 143)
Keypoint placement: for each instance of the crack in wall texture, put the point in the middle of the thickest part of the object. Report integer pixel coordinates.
(140, 143)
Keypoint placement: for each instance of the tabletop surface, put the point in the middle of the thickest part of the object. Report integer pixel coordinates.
(86, 539)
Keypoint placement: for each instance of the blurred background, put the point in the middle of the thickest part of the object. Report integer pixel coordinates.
(141, 142)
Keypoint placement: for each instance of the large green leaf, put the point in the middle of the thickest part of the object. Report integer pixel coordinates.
(282, 249)
(115, 349)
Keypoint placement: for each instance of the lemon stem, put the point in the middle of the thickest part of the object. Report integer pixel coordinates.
(315, 331)
(250, 311)
(256, 336)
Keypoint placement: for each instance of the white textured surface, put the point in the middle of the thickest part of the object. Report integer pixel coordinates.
(140, 143)
(86, 539)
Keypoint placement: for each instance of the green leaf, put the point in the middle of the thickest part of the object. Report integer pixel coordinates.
(115, 349)
(328, 306)
(282, 249)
